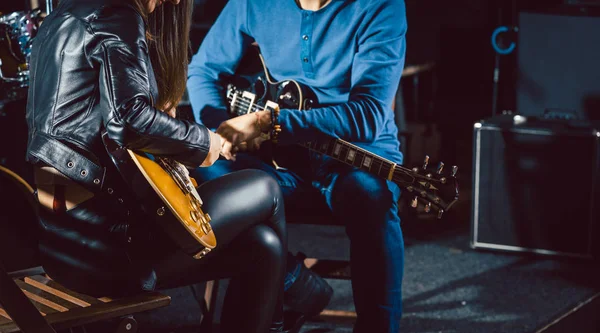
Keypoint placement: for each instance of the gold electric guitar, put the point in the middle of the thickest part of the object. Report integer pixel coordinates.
(253, 89)
(167, 193)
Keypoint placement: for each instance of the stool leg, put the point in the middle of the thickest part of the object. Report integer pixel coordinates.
(210, 299)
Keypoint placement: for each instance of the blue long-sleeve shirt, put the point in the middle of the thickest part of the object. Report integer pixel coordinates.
(351, 53)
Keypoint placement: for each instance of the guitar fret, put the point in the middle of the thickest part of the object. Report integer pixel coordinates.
(350, 156)
(386, 168)
(360, 158)
(337, 149)
(344, 153)
(367, 162)
(332, 143)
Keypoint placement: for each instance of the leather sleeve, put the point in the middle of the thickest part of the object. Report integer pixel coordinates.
(125, 95)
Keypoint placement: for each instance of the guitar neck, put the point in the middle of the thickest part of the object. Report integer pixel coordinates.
(355, 156)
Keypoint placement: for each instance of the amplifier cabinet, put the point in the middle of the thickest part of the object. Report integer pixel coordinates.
(535, 186)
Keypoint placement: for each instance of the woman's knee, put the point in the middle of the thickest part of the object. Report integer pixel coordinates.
(263, 180)
(267, 245)
(265, 187)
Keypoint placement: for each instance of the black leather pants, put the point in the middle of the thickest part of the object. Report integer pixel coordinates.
(81, 249)
(248, 220)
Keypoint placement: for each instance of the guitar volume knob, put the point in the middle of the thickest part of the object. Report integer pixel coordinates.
(308, 104)
(427, 208)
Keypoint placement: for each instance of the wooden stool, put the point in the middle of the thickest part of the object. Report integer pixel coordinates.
(31, 302)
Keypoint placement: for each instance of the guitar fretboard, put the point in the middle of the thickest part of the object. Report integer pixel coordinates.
(357, 157)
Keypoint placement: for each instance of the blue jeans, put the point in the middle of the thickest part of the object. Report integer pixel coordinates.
(368, 207)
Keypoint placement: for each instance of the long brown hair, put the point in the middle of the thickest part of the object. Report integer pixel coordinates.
(168, 38)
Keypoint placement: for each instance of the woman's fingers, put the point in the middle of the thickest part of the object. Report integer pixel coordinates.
(227, 150)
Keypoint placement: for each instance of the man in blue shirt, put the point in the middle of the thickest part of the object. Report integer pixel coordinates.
(351, 53)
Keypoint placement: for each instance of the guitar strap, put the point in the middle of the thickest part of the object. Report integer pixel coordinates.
(67, 161)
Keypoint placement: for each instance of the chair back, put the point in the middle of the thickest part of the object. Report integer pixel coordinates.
(18, 222)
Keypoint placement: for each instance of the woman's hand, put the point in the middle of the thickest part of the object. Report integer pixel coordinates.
(245, 128)
(172, 112)
(216, 149)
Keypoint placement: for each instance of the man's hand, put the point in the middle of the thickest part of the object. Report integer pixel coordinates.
(252, 146)
(245, 128)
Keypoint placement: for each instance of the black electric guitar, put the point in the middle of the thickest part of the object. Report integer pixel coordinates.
(432, 187)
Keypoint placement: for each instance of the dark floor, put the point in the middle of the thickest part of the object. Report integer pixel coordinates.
(449, 287)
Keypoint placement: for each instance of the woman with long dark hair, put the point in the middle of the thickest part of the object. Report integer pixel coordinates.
(119, 67)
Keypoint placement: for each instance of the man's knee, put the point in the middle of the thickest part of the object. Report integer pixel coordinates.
(218, 169)
(360, 193)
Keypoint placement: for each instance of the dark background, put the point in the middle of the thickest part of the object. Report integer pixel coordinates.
(514, 293)
(455, 35)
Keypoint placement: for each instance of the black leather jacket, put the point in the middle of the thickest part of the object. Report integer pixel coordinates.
(90, 70)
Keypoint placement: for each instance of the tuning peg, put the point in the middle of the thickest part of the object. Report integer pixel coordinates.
(425, 162)
(440, 168)
(414, 202)
(440, 213)
(454, 170)
(427, 207)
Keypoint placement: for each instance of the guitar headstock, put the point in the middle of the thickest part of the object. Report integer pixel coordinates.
(436, 188)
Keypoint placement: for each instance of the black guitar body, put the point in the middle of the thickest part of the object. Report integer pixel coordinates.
(252, 77)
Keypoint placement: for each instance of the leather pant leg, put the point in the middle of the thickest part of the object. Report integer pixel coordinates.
(248, 219)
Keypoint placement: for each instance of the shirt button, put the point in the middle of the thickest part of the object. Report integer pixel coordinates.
(305, 37)
(305, 59)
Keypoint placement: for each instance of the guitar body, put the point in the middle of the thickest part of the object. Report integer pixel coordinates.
(253, 77)
(163, 199)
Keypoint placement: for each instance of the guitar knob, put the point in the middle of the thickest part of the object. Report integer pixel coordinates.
(428, 207)
(454, 170)
(308, 104)
(425, 162)
(414, 202)
(440, 168)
